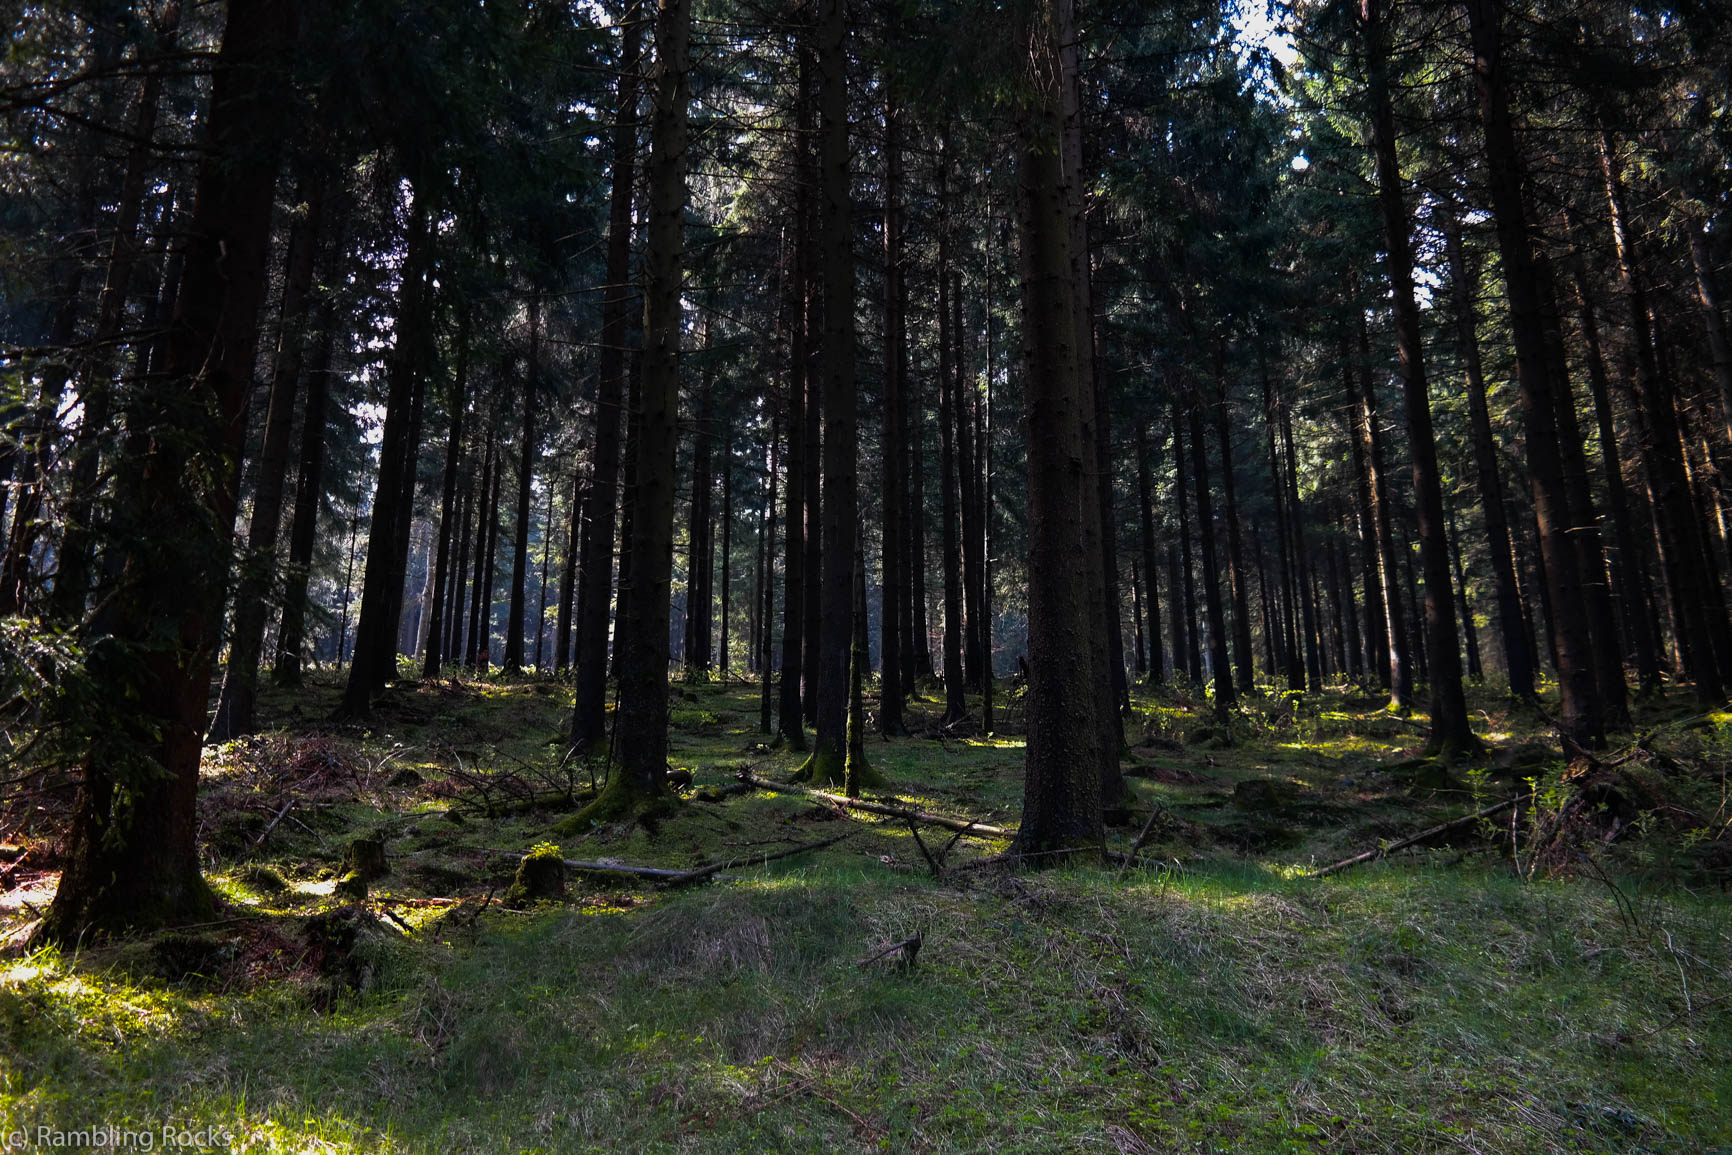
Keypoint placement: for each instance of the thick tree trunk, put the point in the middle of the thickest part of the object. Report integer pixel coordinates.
(640, 751)
(797, 587)
(1061, 790)
(595, 597)
(828, 762)
(132, 852)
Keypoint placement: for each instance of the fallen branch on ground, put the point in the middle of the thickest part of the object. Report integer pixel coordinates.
(960, 825)
(703, 872)
(1421, 836)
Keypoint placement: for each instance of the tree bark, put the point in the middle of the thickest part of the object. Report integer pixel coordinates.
(433, 662)
(1450, 730)
(1145, 494)
(132, 852)
(1062, 786)
(595, 596)
(517, 608)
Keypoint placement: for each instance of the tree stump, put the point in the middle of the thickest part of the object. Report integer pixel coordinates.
(540, 875)
(366, 857)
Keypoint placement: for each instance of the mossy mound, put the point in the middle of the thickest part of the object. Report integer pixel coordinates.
(540, 875)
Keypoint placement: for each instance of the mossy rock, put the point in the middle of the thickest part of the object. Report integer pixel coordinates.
(258, 877)
(366, 857)
(540, 875)
(352, 886)
(1257, 794)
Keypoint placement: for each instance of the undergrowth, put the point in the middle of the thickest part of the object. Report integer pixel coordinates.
(1208, 997)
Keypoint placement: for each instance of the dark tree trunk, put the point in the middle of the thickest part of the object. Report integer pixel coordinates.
(595, 596)
(1235, 548)
(828, 762)
(955, 704)
(1301, 559)
(892, 591)
(919, 630)
(1450, 729)
(1292, 653)
(239, 695)
(1630, 570)
(641, 737)
(1581, 708)
(1388, 549)
(433, 662)
(568, 574)
(478, 588)
(309, 494)
(388, 536)
(1512, 631)
(1187, 623)
(1145, 495)
(517, 608)
(132, 851)
(699, 531)
(768, 585)
(726, 549)
(1221, 666)
(967, 401)
(1475, 669)
(1684, 558)
(1061, 790)
(791, 717)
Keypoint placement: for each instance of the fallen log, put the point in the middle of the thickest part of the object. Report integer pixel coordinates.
(960, 825)
(1380, 851)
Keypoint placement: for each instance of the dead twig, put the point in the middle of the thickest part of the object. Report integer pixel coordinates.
(703, 872)
(1380, 851)
(910, 948)
(972, 827)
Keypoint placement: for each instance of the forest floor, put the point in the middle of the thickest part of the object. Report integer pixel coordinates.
(1467, 994)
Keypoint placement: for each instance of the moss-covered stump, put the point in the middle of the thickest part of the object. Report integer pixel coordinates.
(540, 875)
(831, 768)
(620, 802)
(352, 886)
(366, 857)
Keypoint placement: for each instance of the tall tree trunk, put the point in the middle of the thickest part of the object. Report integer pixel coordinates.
(727, 548)
(1708, 296)
(828, 762)
(517, 608)
(1475, 669)
(892, 591)
(791, 717)
(641, 737)
(1061, 789)
(1581, 707)
(132, 851)
(388, 536)
(434, 661)
(1450, 729)
(239, 695)
(1235, 547)
(1684, 559)
(1145, 495)
(568, 573)
(768, 583)
(698, 537)
(309, 495)
(955, 705)
(1388, 549)
(1512, 632)
(479, 588)
(1292, 653)
(595, 597)
(1187, 623)
(1220, 663)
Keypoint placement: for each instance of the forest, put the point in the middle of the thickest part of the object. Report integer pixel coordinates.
(866, 575)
